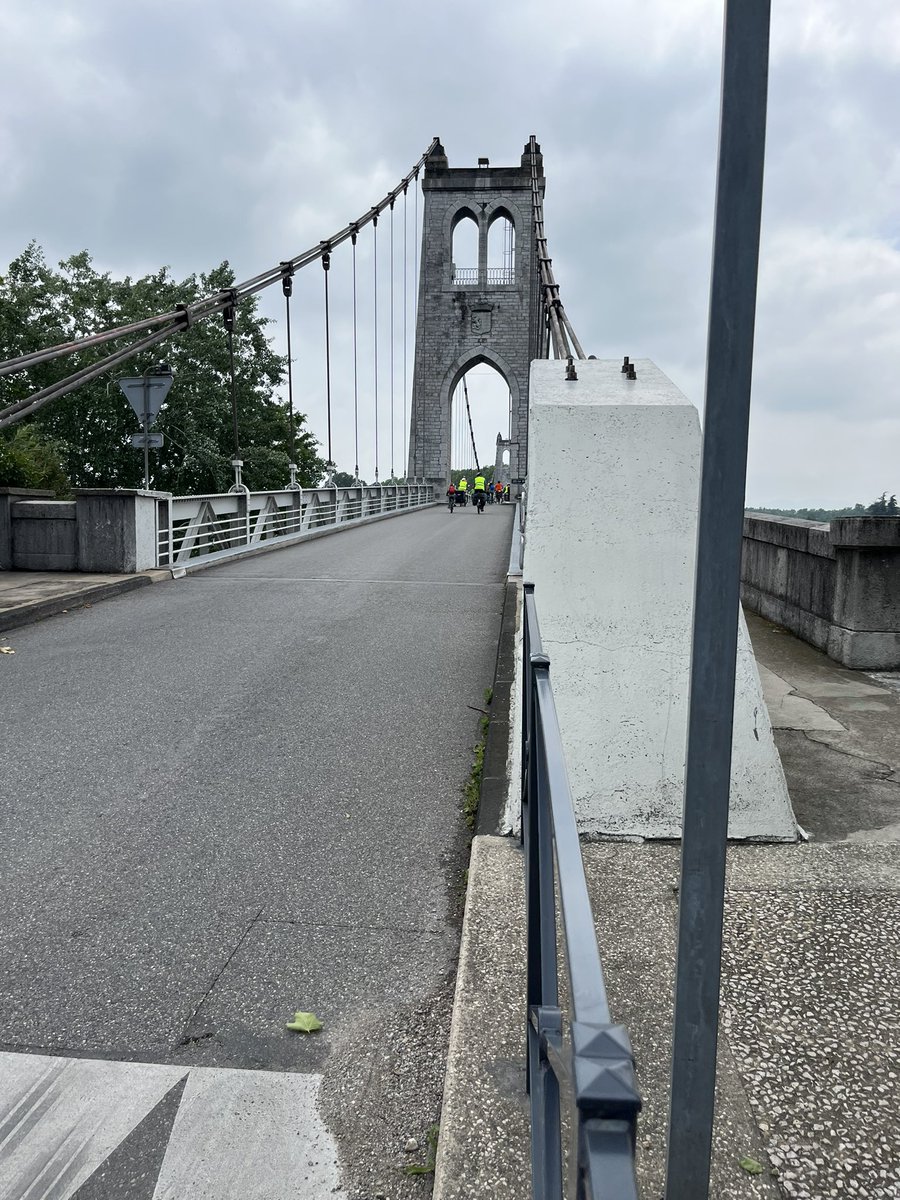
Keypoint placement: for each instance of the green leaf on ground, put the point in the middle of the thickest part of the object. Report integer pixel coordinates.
(304, 1022)
(751, 1166)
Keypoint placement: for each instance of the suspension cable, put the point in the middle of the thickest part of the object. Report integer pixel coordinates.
(326, 264)
(287, 286)
(375, 322)
(561, 330)
(471, 430)
(23, 408)
(393, 476)
(355, 370)
(177, 320)
(405, 323)
(416, 280)
(228, 318)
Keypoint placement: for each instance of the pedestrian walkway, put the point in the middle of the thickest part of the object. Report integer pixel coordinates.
(809, 1062)
(27, 596)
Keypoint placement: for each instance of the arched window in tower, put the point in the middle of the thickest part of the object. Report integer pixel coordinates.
(465, 249)
(501, 249)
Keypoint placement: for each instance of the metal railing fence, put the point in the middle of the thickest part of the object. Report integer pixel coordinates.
(467, 276)
(499, 276)
(596, 1068)
(192, 527)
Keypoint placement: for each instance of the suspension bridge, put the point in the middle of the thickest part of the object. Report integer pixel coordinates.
(234, 817)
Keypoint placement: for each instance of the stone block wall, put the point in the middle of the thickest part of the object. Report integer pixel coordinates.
(835, 586)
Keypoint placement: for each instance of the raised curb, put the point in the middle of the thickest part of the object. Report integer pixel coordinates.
(495, 777)
(484, 1147)
(36, 610)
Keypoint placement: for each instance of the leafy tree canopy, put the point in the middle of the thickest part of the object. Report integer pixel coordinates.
(487, 472)
(84, 439)
(884, 507)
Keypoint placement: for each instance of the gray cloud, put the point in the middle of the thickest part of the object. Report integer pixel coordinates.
(187, 133)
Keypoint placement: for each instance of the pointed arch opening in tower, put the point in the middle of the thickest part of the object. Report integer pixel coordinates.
(479, 411)
(464, 248)
(501, 249)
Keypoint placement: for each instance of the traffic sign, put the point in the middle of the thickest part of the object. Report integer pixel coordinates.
(147, 441)
(146, 394)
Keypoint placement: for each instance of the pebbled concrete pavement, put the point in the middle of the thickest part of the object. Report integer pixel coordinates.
(809, 1063)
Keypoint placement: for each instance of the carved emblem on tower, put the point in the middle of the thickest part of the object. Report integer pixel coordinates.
(481, 320)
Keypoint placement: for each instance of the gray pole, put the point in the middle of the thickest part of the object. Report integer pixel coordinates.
(717, 595)
(146, 431)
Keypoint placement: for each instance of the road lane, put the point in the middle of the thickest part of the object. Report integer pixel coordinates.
(238, 794)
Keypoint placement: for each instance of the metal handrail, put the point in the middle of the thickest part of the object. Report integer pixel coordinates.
(220, 525)
(599, 1068)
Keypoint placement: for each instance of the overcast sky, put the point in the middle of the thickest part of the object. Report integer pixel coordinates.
(155, 132)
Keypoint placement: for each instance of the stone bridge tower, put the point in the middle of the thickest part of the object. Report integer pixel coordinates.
(471, 316)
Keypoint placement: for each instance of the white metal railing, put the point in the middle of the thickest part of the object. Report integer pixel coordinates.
(192, 527)
(500, 275)
(465, 275)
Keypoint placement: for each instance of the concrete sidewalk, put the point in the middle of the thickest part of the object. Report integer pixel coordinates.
(27, 596)
(809, 1063)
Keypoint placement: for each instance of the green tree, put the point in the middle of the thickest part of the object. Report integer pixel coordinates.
(30, 460)
(91, 428)
(345, 479)
(884, 507)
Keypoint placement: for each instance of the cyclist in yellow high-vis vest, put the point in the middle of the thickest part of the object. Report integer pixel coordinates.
(478, 494)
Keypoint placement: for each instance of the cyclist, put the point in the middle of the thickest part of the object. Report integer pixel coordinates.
(478, 496)
(451, 496)
(498, 488)
(463, 489)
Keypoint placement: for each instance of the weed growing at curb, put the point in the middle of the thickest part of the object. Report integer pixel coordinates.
(472, 789)
(426, 1168)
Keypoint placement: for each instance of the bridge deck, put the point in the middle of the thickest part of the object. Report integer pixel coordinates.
(228, 798)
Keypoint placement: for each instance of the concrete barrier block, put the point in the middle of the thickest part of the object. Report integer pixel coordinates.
(117, 529)
(613, 478)
(866, 532)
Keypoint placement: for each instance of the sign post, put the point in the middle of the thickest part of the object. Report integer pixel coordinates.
(146, 394)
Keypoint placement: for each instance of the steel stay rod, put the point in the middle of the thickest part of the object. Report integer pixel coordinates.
(23, 408)
(732, 310)
(210, 304)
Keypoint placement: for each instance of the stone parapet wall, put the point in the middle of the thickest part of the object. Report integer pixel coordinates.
(107, 530)
(836, 586)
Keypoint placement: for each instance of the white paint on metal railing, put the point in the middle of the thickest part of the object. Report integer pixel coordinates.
(194, 527)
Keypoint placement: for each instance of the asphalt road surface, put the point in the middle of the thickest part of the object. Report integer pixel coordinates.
(224, 799)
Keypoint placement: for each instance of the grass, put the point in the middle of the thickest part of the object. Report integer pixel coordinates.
(426, 1168)
(472, 789)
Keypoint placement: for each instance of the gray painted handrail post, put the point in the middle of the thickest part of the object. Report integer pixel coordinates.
(717, 594)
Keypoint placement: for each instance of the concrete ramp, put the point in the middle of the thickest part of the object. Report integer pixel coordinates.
(613, 485)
